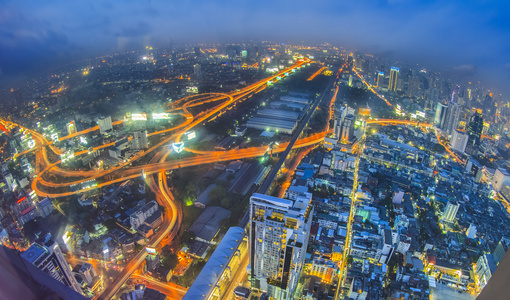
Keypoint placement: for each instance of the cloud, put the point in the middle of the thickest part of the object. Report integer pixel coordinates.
(451, 34)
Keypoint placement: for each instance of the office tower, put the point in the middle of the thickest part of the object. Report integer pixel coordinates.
(440, 117)
(105, 124)
(71, 127)
(450, 212)
(197, 51)
(452, 118)
(394, 71)
(139, 140)
(459, 140)
(380, 79)
(279, 233)
(197, 70)
(474, 131)
(49, 258)
(347, 133)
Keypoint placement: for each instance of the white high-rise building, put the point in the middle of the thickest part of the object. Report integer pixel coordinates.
(501, 176)
(279, 233)
(139, 140)
(453, 116)
(450, 212)
(459, 140)
(105, 124)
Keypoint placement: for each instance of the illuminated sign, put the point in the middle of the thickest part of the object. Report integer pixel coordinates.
(21, 199)
(178, 147)
(139, 117)
(31, 143)
(83, 140)
(190, 135)
(420, 113)
(151, 251)
(160, 116)
(272, 70)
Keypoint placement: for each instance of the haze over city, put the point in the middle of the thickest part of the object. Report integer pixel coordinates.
(254, 150)
(466, 37)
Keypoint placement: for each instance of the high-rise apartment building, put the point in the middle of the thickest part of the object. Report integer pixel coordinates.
(139, 140)
(279, 233)
(105, 124)
(440, 117)
(450, 212)
(392, 85)
(380, 79)
(347, 133)
(49, 258)
(452, 117)
(459, 140)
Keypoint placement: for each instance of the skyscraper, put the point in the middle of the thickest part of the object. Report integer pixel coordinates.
(380, 79)
(105, 124)
(394, 71)
(459, 141)
(452, 117)
(279, 233)
(474, 131)
(139, 140)
(347, 129)
(49, 258)
(440, 117)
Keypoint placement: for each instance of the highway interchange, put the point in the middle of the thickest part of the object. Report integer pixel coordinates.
(158, 165)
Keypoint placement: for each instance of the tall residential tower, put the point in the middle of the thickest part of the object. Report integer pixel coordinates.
(279, 233)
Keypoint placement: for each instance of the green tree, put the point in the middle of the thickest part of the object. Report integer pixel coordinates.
(217, 194)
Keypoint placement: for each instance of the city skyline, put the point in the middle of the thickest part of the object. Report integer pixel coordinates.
(470, 40)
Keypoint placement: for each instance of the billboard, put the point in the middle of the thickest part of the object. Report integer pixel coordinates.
(190, 135)
(160, 116)
(178, 147)
(139, 117)
(151, 251)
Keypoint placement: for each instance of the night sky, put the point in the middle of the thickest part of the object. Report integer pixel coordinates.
(470, 38)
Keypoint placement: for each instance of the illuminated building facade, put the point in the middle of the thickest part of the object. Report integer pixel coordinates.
(279, 233)
(394, 71)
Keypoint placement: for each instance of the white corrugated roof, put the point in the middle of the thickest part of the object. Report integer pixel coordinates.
(208, 277)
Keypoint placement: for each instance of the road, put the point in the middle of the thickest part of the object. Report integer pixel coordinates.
(238, 277)
(172, 291)
(264, 188)
(352, 212)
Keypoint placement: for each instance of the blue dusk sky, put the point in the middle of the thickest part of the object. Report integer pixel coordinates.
(471, 38)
